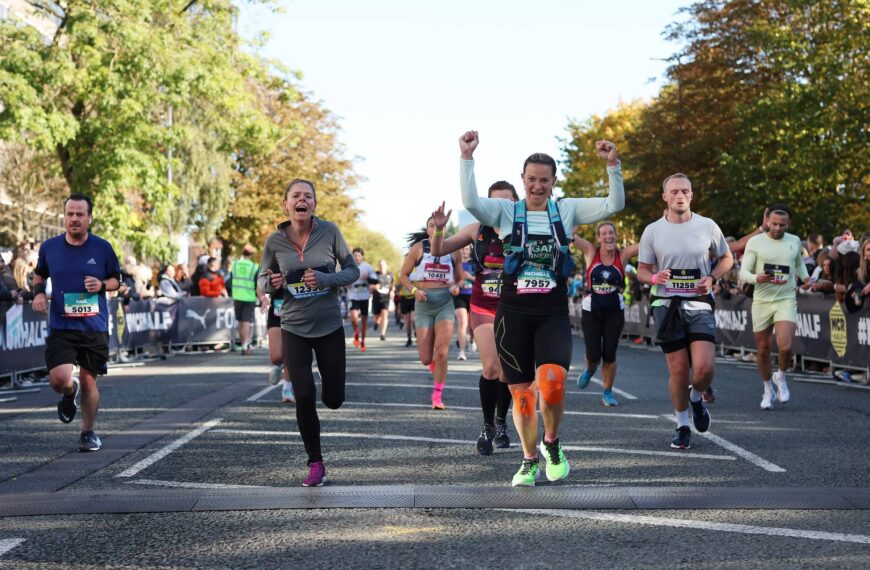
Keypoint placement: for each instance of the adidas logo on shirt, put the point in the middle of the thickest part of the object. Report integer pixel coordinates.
(92, 261)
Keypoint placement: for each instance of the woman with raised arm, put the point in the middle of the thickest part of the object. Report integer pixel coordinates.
(532, 328)
(487, 256)
(602, 318)
(434, 281)
(308, 252)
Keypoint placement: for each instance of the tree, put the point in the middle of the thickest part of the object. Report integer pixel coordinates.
(99, 92)
(35, 188)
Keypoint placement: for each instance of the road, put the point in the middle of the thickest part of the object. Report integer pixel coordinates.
(201, 468)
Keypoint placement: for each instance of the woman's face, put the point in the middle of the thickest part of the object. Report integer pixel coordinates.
(865, 251)
(826, 266)
(466, 253)
(538, 182)
(430, 227)
(300, 202)
(607, 237)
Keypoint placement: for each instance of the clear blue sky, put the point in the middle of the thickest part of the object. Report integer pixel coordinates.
(406, 79)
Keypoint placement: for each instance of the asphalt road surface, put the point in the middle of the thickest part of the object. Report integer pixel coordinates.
(201, 467)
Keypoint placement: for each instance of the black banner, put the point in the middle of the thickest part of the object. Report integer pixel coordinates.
(22, 338)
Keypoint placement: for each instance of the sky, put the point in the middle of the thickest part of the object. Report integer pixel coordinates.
(406, 79)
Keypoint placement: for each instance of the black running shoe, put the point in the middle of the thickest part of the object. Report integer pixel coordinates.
(89, 441)
(383, 337)
(700, 416)
(502, 440)
(484, 442)
(407, 344)
(683, 439)
(66, 408)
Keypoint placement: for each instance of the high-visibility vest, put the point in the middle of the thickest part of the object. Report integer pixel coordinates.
(244, 280)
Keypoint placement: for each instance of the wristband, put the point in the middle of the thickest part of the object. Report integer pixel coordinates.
(438, 233)
(39, 289)
(413, 290)
(655, 279)
(102, 286)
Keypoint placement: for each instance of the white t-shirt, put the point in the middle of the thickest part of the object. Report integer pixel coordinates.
(359, 289)
(684, 249)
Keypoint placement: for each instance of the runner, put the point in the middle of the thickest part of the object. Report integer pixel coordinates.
(462, 302)
(82, 268)
(244, 293)
(773, 262)
(381, 296)
(406, 305)
(603, 306)
(306, 251)
(434, 281)
(271, 305)
(487, 255)
(679, 245)
(532, 328)
(358, 294)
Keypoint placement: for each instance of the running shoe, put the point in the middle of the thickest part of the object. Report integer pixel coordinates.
(484, 441)
(461, 355)
(356, 340)
(383, 337)
(502, 441)
(472, 347)
(437, 403)
(700, 416)
(767, 400)
(247, 351)
(584, 378)
(89, 441)
(66, 408)
(526, 475)
(781, 386)
(557, 466)
(362, 347)
(407, 344)
(607, 398)
(709, 396)
(275, 374)
(287, 395)
(683, 439)
(316, 475)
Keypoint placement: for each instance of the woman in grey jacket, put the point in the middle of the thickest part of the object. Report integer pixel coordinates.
(307, 252)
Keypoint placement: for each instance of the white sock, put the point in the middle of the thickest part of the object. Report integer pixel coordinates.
(694, 395)
(682, 417)
(768, 388)
(288, 384)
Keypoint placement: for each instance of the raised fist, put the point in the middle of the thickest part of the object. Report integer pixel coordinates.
(467, 143)
(607, 151)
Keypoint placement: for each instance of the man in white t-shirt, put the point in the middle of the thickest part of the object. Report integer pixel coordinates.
(359, 293)
(679, 247)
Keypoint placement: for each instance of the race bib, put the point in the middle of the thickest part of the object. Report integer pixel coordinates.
(683, 281)
(299, 290)
(79, 305)
(534, 280)
(778, 273)
(437, 272)
(603, 288)
(491, 285)
(276, 307)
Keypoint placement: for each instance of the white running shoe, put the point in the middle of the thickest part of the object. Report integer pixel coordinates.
(473, 347)
(461, 355)
(287, 395)
(767, 400)
(275, 374)
(781, 386)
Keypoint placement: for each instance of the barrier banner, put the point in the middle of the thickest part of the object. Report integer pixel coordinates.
(203, 320)
(22, 338)
(145, 323)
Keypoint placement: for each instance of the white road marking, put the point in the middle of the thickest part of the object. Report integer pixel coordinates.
(735, 449)
(428, 386)
(7, 544)
(699, 525)
(470, 442)
(477, 409)
(622, 393)
(263, 392)
(182, 485)
(161, 453)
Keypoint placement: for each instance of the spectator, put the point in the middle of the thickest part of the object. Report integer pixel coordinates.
(168, 287)
(211, 284)
(128, 290)
(814, 246)
(201, 268)
(823, 277)
(182, 277)
(6, 277)
(846, 272)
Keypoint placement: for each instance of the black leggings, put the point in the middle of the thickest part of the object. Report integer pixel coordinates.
(601, 330)
(525, 342)
(331, 363)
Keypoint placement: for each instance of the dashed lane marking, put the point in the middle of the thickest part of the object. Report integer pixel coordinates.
(699, 525)
(161, 453)
(447, 387)
(262, 393)
(7, 544)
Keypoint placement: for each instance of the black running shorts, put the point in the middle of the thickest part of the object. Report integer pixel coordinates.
(90, 350)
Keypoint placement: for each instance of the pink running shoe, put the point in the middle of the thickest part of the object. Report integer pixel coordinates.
(316, 475)
(431, 367)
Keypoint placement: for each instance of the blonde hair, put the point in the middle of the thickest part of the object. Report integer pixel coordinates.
(864, 264)
(677, 175)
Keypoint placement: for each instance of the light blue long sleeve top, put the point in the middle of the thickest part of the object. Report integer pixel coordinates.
(499, 213)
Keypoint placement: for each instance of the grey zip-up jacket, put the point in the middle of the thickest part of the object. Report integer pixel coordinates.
(309, 312)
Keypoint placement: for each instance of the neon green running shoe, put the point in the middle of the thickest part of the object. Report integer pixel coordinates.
(557, 466)
(526, 475)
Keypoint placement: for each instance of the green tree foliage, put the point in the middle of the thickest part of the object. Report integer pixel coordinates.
(375, 245)
(767, 101)
(98, 95)
(308, 148)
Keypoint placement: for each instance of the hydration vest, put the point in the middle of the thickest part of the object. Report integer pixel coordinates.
(562, 264)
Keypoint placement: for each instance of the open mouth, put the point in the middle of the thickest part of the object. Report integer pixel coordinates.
(301, 209)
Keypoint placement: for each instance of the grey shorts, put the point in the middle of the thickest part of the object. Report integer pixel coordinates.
(438, 306)
(694, 326)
